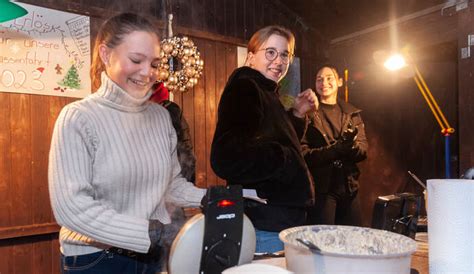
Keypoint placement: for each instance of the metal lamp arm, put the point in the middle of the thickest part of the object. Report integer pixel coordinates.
(435, 109)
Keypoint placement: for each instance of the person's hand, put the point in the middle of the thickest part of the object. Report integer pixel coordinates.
(350, 134)
(343, 146)
(346, 144)
(155, 230)
(204, 203)
(305, 102)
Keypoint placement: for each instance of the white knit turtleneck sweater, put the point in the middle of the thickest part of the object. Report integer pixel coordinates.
(111, 165)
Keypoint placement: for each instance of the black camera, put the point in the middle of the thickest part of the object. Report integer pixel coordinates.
(349, 134)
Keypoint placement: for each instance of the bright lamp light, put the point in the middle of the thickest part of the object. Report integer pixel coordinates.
(395, 62)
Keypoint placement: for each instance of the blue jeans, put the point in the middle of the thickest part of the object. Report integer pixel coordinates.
(105, 262)
(268, 242)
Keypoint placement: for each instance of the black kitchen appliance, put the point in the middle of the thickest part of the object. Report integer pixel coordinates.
(223, 213)
(219, 238)
(397, 213)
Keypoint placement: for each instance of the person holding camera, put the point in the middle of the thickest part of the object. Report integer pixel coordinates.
(333, 144)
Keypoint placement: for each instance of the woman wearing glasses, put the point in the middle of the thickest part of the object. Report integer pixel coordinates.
(256, 142)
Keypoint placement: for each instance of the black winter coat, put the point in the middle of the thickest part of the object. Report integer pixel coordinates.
(184, 146)
(256, 145)
(187, 161)
(327, 166)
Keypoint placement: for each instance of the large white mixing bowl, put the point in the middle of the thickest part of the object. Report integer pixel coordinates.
(347, 249)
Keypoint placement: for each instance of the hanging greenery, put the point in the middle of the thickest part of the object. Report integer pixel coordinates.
(185, 74)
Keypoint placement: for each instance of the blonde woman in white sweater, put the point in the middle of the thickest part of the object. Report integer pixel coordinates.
(113, 159)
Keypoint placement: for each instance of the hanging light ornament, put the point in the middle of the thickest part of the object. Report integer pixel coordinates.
(190, 65)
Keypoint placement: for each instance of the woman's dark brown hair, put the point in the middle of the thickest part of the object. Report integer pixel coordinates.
(331, 67)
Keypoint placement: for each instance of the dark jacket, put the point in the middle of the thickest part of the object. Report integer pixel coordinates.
(187, 161)
(184, 146)
(326, 164)
(257, 146)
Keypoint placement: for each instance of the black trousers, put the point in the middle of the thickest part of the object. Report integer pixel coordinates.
(335, 209)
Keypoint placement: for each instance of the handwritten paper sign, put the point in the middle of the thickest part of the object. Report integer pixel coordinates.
(45, 52)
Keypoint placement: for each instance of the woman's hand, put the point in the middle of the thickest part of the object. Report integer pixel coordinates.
(305, 102)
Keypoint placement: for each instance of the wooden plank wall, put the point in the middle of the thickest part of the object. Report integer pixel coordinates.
(200, 104)
(28, 233)
(26, 127)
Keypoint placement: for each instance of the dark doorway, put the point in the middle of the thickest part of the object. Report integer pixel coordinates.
(403, 133)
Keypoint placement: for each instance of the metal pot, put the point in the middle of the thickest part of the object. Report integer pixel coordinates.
(347, 249)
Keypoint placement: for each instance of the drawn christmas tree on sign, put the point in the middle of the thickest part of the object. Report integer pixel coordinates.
(71, 80)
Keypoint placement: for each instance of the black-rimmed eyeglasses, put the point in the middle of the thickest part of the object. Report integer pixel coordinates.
(272, 53)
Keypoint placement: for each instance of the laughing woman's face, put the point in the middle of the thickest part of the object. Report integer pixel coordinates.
(327, 84)
(133, 64)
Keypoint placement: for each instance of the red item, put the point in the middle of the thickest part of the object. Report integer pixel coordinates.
(160, 93)
(225, 203)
